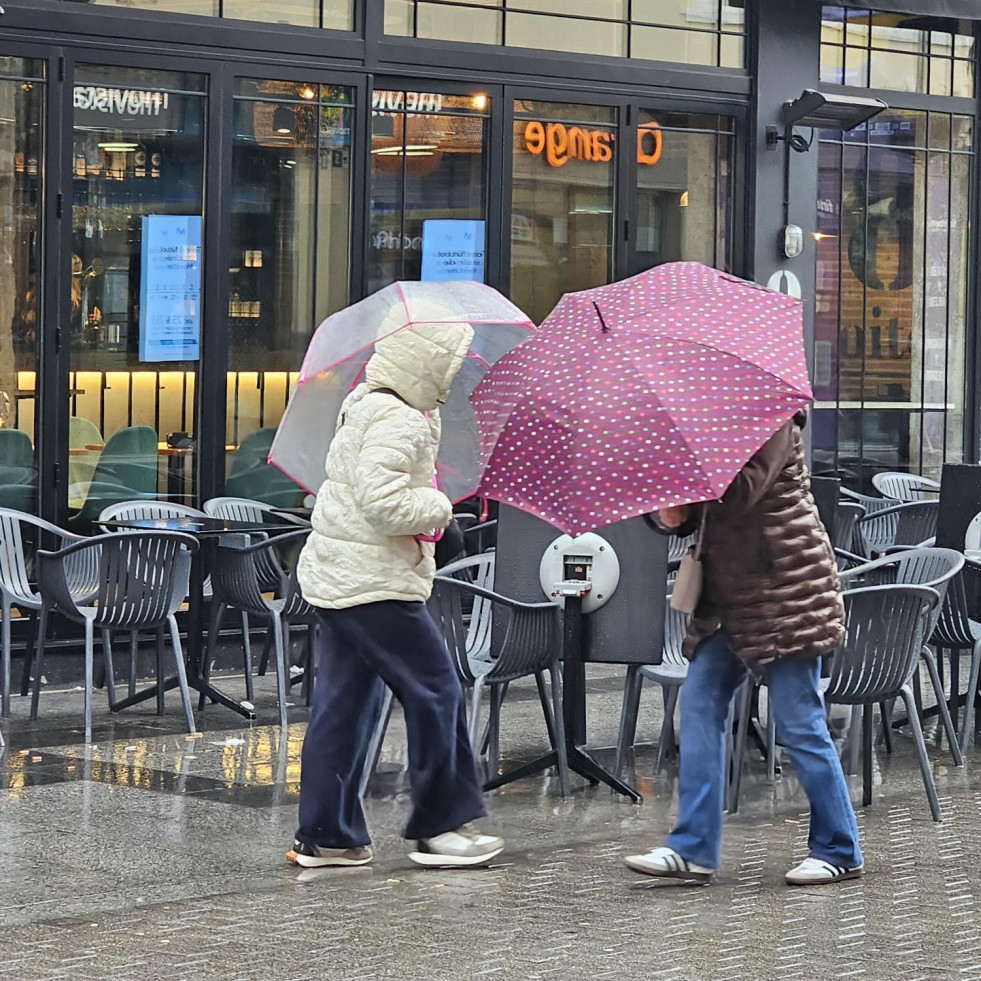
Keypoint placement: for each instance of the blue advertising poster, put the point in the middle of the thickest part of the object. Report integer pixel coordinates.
(170, 292)
(452, 249)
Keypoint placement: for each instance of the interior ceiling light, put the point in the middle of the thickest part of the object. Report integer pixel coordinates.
(308, 92)
(116, 147)
(283, 120)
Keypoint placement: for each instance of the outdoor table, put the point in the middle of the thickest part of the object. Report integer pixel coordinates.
(573, 714)
(207, 531)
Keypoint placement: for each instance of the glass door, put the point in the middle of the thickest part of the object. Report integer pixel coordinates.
(23, 85)
(134, 311)
(564, 164)
(683, 186)
(289, 260)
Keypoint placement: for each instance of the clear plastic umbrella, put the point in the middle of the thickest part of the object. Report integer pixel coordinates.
(335, 363)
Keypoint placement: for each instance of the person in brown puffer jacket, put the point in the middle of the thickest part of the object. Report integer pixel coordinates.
(771, 602)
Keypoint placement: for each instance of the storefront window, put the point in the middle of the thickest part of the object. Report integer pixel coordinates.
(21, 131)
(428, 186)
(684, 166)
(290, 233)
(332, 14)
(892, 299)
(562, 201)
(136, 284)
(699, 32)
(897, 51)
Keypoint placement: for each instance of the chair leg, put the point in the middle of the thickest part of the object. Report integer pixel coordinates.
(246, 652)
(866, 755)
(921, 751)
(89, 659)
(25, 675)
(280, 632)
(494, 740)
(953, 708)
(210, 647)
(42, 638)
(175, 642)
(967, 732)
(309, 667)
(108, 668)
(134, 652)
(475, 696)
(544, 698)
(377, 740)
(5, 655)
(264, 658)
(161, 693)
(561, 750)
(885, 716)
(853, 743)
(942, 708)
(665, 742)
(771, 742)
(628, 716)
(744, 700)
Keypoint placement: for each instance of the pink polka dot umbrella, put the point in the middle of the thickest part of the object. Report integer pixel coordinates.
(651, 392)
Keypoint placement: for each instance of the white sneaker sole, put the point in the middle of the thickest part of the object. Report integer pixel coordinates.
(434, 861)
(635, 864)
(311, 862)
(825, 880)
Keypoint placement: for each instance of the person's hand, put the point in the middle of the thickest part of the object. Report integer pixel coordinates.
(674, 517)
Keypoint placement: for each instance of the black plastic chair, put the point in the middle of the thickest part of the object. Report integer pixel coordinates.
(939, 569)
(899, 524)
(887, 629)
(239, 579)
(530, 646)
(141, 582)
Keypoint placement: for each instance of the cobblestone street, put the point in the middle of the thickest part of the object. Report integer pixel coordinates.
(152, 855)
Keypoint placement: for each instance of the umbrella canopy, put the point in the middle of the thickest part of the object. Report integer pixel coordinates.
(339, 352)
(652, 392)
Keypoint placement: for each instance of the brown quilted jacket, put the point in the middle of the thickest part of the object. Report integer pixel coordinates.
(770, 577)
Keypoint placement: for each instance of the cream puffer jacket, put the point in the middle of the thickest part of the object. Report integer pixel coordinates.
(378, 494)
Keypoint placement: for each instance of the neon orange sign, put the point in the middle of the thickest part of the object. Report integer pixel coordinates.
(560, 143)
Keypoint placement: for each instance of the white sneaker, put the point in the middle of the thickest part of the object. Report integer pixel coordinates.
(666, 863)
(457, 849)
(817, 872)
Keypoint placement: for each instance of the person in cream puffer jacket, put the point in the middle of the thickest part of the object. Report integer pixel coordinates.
(366, 570)
(379, 494)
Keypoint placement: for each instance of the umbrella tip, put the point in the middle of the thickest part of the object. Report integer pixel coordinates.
(599, 313)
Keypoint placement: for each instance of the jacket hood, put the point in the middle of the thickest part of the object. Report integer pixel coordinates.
(419, 362)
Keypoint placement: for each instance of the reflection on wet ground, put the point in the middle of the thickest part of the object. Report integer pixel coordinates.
(151, 854)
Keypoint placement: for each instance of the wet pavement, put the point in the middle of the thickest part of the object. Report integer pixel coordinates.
(153, 855)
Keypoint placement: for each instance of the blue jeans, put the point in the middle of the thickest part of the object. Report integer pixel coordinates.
(798, 706)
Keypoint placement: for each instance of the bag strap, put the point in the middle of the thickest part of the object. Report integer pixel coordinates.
(701, 534)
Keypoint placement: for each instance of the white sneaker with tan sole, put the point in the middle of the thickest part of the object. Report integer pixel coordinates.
(817, 872)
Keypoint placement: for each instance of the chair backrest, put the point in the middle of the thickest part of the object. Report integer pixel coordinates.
(20, 539)
(887, 628)
(241, 572)
(937, 568)
(237, 509)
(871, 504)
(905, 486)
(900, 524)
(532, 637)
(130, 460)
(479, 570)
(142, 577)
(83, 432)
(847, 516)
(16, 449)
(146, 511)
(675, 632)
